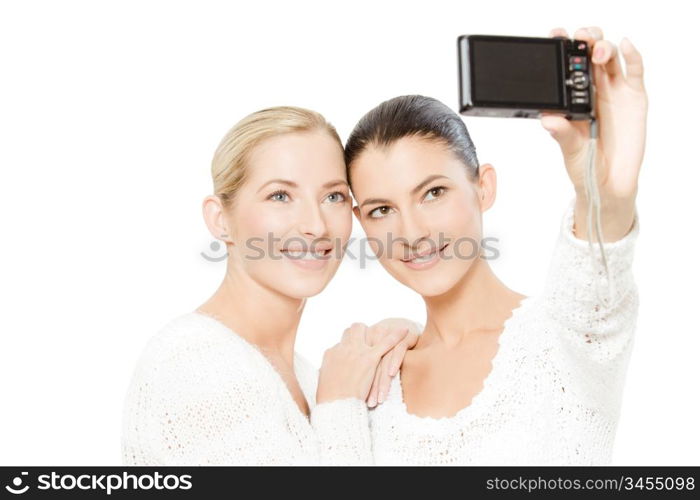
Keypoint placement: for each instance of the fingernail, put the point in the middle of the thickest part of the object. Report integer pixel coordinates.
(381, 396)
(372, 402)
(598, 54)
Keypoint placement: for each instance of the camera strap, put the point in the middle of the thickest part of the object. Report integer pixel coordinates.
(591, 185)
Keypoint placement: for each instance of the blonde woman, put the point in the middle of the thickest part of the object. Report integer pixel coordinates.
(223, 384)
(497, 377)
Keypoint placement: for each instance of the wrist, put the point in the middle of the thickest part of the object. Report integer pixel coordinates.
(616, 216)
(326, 396)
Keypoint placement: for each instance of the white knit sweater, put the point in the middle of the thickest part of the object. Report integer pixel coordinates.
(554, 391)
(203, 395)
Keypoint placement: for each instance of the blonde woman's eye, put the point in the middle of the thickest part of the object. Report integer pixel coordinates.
(435, 192)
(279, 196)
(379, 212)
(336, 197)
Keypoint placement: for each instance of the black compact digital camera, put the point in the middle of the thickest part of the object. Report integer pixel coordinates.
(511, 76)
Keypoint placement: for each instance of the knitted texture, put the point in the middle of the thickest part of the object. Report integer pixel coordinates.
(554, 391)
(203, 395)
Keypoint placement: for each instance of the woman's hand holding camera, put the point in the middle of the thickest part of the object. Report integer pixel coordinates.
(621, 113)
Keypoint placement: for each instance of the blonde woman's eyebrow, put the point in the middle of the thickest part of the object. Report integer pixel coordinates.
(278, 181)
(295, 185)
(414, 191)
(336, 183)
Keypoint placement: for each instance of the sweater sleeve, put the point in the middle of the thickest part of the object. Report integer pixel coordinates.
(601, 329)
(341, 427)
(342, 431)
(188, 408)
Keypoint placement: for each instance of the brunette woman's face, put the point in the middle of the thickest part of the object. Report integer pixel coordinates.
(421, 213)
(291, 220)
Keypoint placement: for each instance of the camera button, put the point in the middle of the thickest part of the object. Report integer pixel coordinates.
(580, 80)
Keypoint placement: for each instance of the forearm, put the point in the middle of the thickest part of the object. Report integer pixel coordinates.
(342, 431)
(616, 217)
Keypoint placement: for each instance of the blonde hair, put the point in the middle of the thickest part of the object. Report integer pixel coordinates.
(230, 163)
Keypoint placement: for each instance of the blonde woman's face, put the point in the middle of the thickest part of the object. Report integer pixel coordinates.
(291, 220)
(415, 199)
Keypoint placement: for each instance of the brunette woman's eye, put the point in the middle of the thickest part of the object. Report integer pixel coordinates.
(336, 197)
(279, 196)
(436, 192)
(379, 212)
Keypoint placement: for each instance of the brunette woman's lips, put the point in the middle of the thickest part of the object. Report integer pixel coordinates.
(425, 261)
(308, 259)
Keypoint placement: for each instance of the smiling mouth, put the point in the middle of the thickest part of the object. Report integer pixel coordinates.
(307, 255)
(425, 257)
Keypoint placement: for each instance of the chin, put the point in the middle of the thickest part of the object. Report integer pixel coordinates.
(299, 285)
(301, 290)
(432, 282)
(432, 286)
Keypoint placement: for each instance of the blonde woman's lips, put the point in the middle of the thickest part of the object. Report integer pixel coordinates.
(307, 259)
(425, 261)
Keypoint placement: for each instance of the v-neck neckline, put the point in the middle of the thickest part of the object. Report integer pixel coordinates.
(479, 400)
(269, 366)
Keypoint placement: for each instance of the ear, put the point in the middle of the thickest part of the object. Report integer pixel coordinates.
(487, 186)
(356, 211)
(214, 217)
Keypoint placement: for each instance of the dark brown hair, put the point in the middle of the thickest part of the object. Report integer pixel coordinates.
(412, 115)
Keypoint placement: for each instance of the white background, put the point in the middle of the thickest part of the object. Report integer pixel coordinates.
(110, 113)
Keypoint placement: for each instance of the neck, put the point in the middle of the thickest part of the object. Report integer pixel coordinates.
(478, 302)
(260, 315)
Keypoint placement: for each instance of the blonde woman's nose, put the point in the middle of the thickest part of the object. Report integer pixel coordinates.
(312, 222)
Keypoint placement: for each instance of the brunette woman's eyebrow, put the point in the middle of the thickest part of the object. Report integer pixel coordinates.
(371, 201)
(414, 191)
(427, 181)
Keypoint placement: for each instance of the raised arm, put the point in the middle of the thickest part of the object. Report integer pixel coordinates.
(572, 299)
(621, 113)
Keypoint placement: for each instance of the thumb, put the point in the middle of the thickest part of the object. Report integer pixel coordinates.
(563, 131)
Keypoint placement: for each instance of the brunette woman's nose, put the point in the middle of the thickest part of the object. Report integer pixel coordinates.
(413, 228)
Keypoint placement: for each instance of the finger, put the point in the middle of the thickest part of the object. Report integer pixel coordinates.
(567, 133)
(398, 331)
(355, 334)
(591, 34)
(412, 339)
(374, 391)
(633, 64)
(389, 341)
(384, 378)
(564, 131)
(397, 356)
(374, 333)
(558, 32)
(605, 54)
